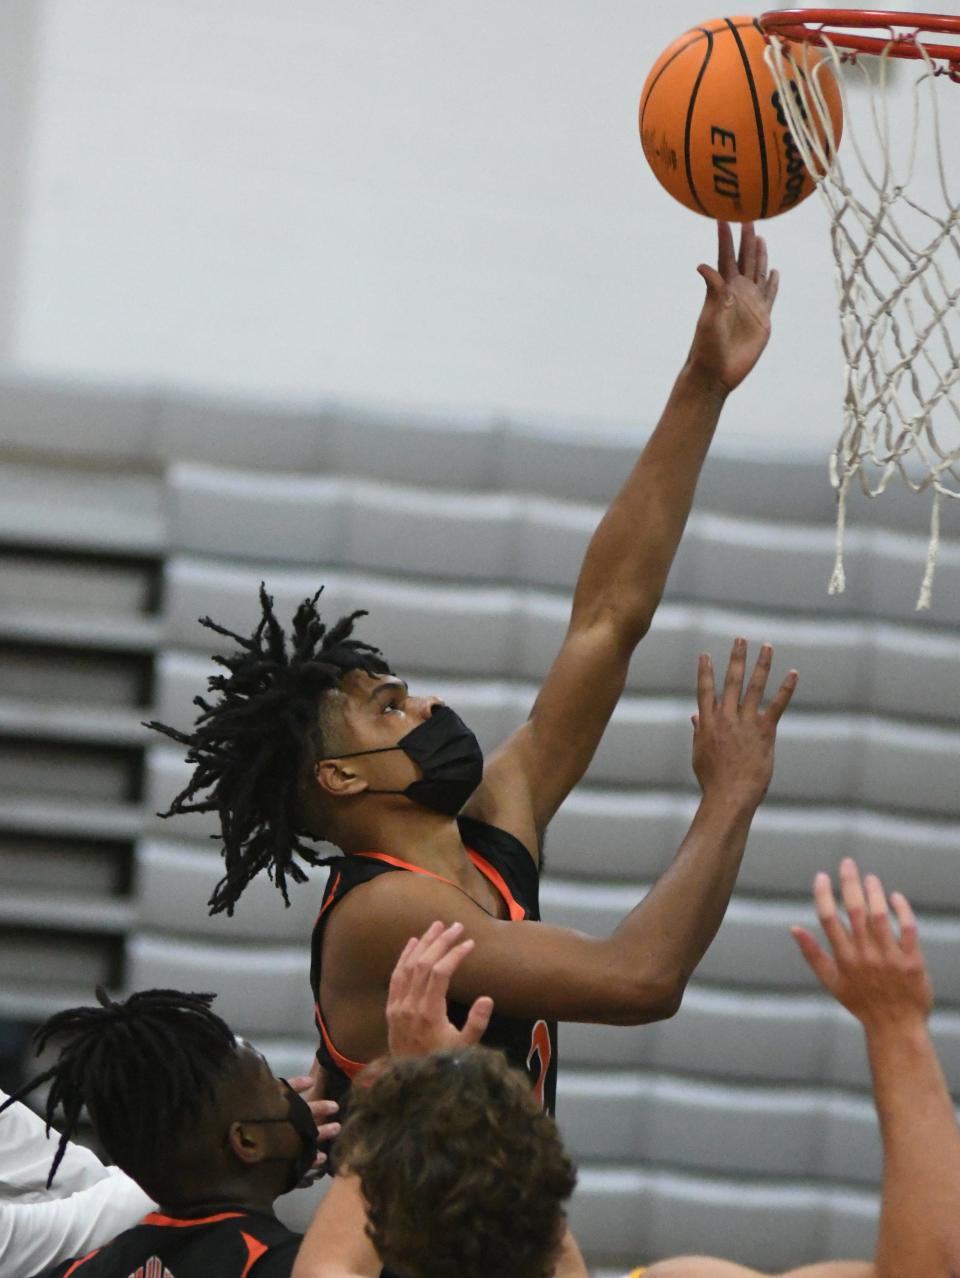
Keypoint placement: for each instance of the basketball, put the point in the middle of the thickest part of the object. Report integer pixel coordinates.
(714, 130)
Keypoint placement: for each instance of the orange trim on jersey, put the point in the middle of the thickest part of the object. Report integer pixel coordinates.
(176, 1222)
(515, 910)
(349, 1067)
(82, 1261)
(403, 865)
(331, 898)
(255, 1249)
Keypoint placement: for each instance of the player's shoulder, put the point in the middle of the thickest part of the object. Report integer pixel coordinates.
(278, 1260)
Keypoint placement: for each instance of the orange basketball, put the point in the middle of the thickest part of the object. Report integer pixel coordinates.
(713, 129)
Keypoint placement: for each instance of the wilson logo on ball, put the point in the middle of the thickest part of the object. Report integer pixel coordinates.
(713, 127)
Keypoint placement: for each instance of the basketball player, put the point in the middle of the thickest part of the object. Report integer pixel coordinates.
(195, 1118)
(439, 1175)
(318, 737)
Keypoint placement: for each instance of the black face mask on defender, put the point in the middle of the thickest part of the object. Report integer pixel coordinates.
(301, 1120)
(449, 756)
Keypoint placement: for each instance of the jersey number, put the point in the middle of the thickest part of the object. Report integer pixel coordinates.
(538, 1058)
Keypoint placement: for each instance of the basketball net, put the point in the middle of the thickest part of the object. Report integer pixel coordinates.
(898, 275)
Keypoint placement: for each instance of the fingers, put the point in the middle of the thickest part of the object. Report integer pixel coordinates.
(854, 901)
(771, 287)
(907, 923)
(706, 691)
(733, 684)
(716, 284)
(726, 257)
(826, 908)
(747, 261)
(328, 1128)
(758, 680)
(760, 271)
(478, 1018)
(434, 955)
(824, 968)
(441, 969)
(877, 912)
(321, 1109)
(328, 1131)
(405, 970)
(782, 699)
(423, 970)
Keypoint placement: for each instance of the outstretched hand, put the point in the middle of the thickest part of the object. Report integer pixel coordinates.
(417, 1021)
(878, 976)
(734, 325)
(733, 734)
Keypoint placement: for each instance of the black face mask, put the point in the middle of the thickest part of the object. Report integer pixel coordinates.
(449, 757)
(301, 1119)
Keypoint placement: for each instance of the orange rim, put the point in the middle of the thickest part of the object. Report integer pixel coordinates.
(842, 27)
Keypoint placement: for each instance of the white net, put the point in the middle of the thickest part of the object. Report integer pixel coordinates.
(895, 233)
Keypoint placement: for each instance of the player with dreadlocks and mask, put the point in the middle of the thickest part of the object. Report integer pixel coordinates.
(194, 1116)
(315, 738)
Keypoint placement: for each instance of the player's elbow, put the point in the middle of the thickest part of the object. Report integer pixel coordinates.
(655, 998)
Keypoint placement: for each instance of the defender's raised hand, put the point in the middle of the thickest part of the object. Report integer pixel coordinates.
(734, 735)
(734, 325)
(417, 1021)
(876, 974)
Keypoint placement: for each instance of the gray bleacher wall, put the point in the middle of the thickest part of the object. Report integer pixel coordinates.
(259, 252)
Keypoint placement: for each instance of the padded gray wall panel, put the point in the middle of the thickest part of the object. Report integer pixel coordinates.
(433, 627)
(916, 674)
(260, 991)
(192, 428)
(174, 883)
(43, 416)
(433, 450)
(909, 767)
(783, 1036)
(627, 1217)
(730, 1130)
(456, 535)
(464, 537)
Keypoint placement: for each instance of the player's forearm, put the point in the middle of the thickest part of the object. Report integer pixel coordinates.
(336, 1244)
(671, 929)
(629, 557)
(920, 1217)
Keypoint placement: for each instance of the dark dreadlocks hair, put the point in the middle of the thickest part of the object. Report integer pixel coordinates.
(250, 746)
(141, 1067)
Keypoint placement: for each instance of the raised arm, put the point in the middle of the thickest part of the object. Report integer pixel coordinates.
(882, 979)
(638, 973)
(629, 556)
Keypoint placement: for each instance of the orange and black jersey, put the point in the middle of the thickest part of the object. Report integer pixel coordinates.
(217, 1242)
(529, 1043)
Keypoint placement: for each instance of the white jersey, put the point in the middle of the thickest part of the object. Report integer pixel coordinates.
(87, 1205)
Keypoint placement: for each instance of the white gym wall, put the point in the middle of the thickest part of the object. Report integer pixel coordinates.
(426, 204)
